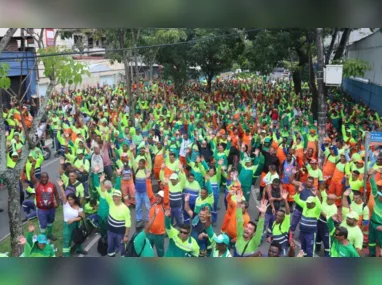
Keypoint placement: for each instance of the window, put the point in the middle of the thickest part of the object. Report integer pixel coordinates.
(90, 42)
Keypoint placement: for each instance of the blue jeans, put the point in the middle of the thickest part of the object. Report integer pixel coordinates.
(186, 217)
(115, 243)
(176, 213)
(86, 188)
(46, 218)
(295, 219)
(57, 144)
(140, 199)
(268, 221)
(215, 189)
(29, 209)
(108, 170)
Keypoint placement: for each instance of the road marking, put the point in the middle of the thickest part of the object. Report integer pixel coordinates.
(90, 244)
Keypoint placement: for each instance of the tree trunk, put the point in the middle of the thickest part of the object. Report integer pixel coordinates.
(341, 47)
(313, 89)
(209, 81)
(11, 182)
(330, 49)
(321, 95)
(296, 75)
(5, 40)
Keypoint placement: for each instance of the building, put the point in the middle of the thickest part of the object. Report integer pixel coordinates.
(20, 57)
(369, 88)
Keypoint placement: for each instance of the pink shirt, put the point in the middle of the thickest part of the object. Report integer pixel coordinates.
(106, 157)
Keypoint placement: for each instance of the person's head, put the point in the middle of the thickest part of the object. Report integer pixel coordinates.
(44, 178)
(142, 151)
(343, 158)
(73, 199)
(310, 202)
(41, 241)
(190, 177)
(185, 136)
(222, 242)
(248, 162)
(184, 232)
(359, 163)
(93, 202)
(272, 168)
(203, 193)
(72, 177)
(276, 183)
(314, 164)
(141, 164)
(159, 197)
(309, 182)
(249, 230)
(212, 171)
(280, 216)
(220, 148)
(117, 197)
(352, 218)
(97, 149)
(272, 151)
(174, 179)
(274, 249)
(172, 157)
(341, 234)
(355, 174)
(15, 156)
(357, 197)
(289, 157)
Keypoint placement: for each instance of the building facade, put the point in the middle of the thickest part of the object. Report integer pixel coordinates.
(369, 88)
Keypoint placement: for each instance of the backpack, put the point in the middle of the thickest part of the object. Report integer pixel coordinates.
(130, 249)
(102, 246)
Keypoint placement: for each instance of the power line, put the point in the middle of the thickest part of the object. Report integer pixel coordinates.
(130, 48)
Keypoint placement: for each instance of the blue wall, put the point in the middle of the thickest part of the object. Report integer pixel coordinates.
(15, 68)
(370, 94)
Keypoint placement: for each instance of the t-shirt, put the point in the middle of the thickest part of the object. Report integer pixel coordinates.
(355, 235)
(355, 185)
(70, 213)
(139, 244)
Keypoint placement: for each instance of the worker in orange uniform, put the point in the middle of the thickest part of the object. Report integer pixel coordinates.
(331, 157)
(336, 185)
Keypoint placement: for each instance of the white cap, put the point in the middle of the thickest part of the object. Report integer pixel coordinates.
(161, 193)
(174, 176)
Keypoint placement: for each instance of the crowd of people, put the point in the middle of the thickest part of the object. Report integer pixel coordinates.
(173, 161)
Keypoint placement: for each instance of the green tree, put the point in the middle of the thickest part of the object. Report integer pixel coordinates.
(215, 50)
(353, 67)
(155, 38)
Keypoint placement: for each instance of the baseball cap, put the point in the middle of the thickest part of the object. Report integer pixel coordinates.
(310, 199)
(117, 193)
(161, 193)
(15, 154)
(42, 239)
(352, 215)
(80, 151)
(248, 159)
(379, 183)
(124, 154)
(313, 161)
(222, 132)
(360, 161)
(174, 176)
(222, 238)
(267, 140)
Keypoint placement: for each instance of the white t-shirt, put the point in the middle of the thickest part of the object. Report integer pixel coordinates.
(70, 213)
(96, 160)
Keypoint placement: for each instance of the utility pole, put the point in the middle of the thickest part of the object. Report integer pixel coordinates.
(321, 94)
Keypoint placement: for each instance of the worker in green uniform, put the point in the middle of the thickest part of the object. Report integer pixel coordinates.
(375, 229)
(181, 244)
(38, 248)
(248, 238)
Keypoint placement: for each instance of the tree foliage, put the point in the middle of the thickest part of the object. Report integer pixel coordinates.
(353, 67)
(62, 68)
(5, 82)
